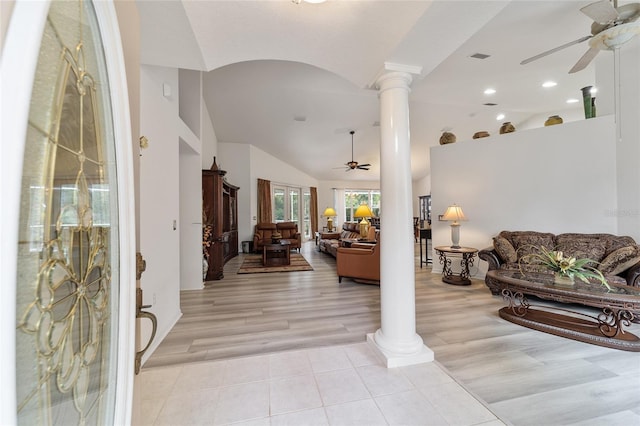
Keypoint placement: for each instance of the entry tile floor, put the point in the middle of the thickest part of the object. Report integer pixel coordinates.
(335, 385)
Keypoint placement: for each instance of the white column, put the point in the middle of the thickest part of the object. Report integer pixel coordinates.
(397, 339)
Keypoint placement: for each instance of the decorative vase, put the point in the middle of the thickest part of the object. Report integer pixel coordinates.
(563, 279)
(481, 134)
(205, 268)
(447, 137)
(587, 102)
(507, 127)
(554, 119)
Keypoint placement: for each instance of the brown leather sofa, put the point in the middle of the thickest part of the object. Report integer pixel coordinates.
(288, 232)
(361, 262)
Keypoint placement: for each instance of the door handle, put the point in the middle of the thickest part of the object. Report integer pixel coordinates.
(154, 324)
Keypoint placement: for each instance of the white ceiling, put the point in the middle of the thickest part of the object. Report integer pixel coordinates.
(270, 62)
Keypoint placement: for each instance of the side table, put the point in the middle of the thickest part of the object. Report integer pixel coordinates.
(466, 254)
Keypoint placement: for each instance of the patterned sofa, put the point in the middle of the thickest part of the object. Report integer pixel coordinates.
(618, 258)
(330, 241)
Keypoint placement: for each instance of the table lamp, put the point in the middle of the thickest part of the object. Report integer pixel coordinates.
(329, 213)
(364, 212)
(454, 214)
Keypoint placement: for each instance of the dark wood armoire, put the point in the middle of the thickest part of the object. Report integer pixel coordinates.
(219, 221)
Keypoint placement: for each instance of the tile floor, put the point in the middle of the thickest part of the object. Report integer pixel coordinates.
(336, 385)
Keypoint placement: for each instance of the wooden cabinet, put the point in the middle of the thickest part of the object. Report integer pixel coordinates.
(219, 221)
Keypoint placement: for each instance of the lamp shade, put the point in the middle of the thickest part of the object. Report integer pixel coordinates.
(454, 213)
(329, 212)
(363, 211)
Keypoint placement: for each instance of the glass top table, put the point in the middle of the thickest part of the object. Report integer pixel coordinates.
(620, 307)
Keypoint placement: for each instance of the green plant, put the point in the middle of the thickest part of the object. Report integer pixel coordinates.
(567, 266)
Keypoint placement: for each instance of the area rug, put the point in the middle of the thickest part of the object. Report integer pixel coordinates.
(252, 264)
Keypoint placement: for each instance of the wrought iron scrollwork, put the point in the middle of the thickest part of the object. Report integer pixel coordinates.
(518, 303)
(612, 322)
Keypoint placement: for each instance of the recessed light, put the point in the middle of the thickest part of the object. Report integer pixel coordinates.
(500, 117)
(594, 90)
(489, 104)
(572, 101)
(489, 91)
(548, 84)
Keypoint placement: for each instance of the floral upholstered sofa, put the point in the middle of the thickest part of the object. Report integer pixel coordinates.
(618, 258)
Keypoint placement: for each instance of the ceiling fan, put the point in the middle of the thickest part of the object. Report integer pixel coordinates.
(612, 27)
(352, 165)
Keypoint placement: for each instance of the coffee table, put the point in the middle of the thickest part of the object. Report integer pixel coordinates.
(276, 254)
(620, 306)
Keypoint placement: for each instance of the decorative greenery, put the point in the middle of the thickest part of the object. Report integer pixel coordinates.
(207, 230)
(566, 266)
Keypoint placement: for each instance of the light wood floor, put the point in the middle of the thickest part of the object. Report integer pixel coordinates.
(524, 375)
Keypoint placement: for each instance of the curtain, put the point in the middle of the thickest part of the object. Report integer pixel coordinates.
(264, 201)
(314, 210)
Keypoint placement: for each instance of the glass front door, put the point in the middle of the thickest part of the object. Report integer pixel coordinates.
(68, 257)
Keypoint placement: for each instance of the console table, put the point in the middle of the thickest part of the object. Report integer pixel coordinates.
(620, 306)
(466, 255)
(425, 234)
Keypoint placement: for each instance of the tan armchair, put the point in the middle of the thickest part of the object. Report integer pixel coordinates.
(360, 261)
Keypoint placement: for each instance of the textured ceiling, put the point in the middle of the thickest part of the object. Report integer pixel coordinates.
(270, 62)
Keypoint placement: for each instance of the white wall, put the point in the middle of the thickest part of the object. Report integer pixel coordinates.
(234, 157)
(159, 198)
(190, 218)
(554, 179)
(419, 188)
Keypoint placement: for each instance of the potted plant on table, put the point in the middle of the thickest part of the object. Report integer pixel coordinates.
(564, 268)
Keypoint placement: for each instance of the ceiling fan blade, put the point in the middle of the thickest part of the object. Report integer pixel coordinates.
(364, 165)
(362, 168)
(601, 12)
(584, 60)
(555, 49)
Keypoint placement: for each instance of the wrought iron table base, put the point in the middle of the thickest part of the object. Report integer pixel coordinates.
(607, 329)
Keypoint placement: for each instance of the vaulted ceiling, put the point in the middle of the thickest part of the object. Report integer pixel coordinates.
(293, 79)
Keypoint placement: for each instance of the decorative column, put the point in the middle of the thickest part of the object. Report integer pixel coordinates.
(397, 339)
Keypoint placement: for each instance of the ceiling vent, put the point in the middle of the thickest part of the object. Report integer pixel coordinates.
(489, 104)
(479, 56)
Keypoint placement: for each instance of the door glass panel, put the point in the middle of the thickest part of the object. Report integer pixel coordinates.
(67, 278)
(306, 218)
(278, 204)
(294, 204)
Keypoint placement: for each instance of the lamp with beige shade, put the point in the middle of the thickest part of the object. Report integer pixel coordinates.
(454, 214)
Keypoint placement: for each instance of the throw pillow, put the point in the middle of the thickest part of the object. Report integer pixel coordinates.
(505, 250)
(620, 260)
(529, 242)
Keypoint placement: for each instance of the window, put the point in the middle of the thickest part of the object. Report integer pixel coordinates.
(354, 197)
(291, 204)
